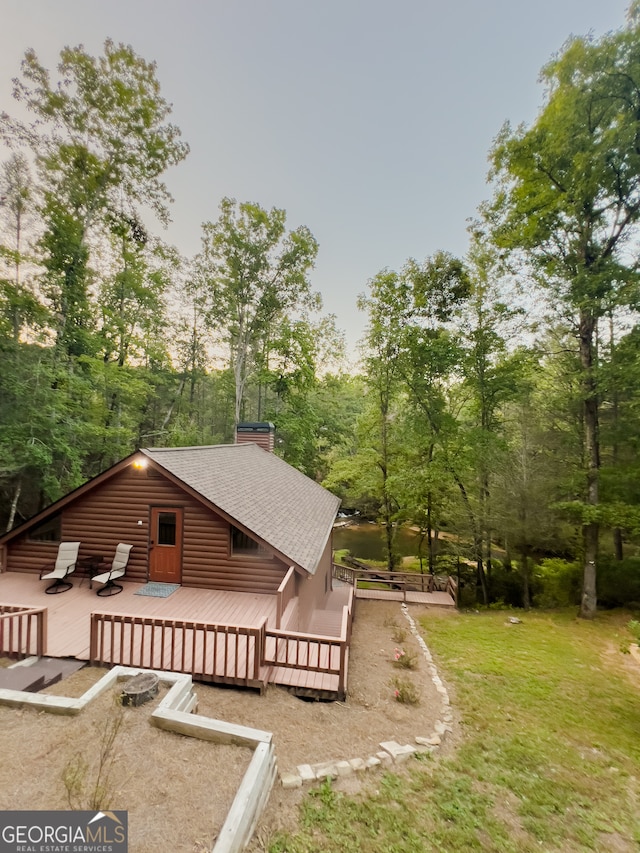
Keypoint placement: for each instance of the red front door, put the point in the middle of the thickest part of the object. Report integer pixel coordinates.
(165, 546)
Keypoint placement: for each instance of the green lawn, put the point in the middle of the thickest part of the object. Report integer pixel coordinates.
(549, 757)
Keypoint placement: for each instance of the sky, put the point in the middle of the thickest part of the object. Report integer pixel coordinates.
(368, 122)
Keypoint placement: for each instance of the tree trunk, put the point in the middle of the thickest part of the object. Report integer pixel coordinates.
(526, 592)
(14, 504)
(481, 582)
(590, 530)
(430, 535)
(617, 543)
(507, 554)
(615, 409)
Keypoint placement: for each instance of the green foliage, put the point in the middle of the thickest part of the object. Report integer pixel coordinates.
(254, 273)
(404, 691)
(402, 659)
(610, 515)
(618, 581)
(506, 584)
(103, 128)
(90, 301)
(559, 581)
(566, 204)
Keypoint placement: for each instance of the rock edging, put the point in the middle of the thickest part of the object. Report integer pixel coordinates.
(390, 752)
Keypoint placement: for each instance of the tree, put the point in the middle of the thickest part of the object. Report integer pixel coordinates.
(431, 358)
(527, 478)
(568, 198)
(385, 305)
(101, 143)
(620, 431)
(411, 355)
(491, 376)
(287, 386)
(16, 207)
(256, 274)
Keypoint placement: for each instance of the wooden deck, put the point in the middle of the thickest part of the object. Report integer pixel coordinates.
(216, 636)
(69, 613)
(408, 587)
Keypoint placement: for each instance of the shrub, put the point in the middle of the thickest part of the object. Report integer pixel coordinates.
(404, 660)
(558, 583)
(404, 691)
(399, 635)
(89, 784)
(618, 581)
(507, 584)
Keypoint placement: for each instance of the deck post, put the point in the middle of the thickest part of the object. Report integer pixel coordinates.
(344, 643)
(93, 640)
(42, 633)
(258, 652)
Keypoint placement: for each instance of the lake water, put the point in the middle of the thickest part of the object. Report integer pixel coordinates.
(365, 540)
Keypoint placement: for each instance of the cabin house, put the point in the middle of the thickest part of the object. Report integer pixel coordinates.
(223, 519)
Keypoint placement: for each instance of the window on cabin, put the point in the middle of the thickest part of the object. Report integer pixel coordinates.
(167, 524)
(47, 531)
(243, 544)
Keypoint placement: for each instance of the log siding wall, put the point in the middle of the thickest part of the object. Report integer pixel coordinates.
(109, 514)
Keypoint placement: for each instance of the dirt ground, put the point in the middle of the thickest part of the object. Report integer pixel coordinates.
(178, 790)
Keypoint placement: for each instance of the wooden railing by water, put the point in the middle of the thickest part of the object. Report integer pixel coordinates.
(226, 653)
(403, 581)
(23, 630)
(345, 573)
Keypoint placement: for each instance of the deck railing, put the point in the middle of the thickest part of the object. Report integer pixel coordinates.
(227, 653)
(345, 573)
(403, 581)
(452, 588)
(286, 592)
(232, 654)
(394, 581)
(23, 630)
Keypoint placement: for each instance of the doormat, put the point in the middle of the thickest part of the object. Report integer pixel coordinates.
(157, 590)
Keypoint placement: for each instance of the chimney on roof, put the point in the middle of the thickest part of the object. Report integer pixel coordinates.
(262, 434)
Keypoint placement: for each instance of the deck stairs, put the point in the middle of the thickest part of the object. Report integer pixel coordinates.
(34, 674)
(326, 623)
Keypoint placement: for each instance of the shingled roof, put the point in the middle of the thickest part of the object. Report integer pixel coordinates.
(261, 492)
